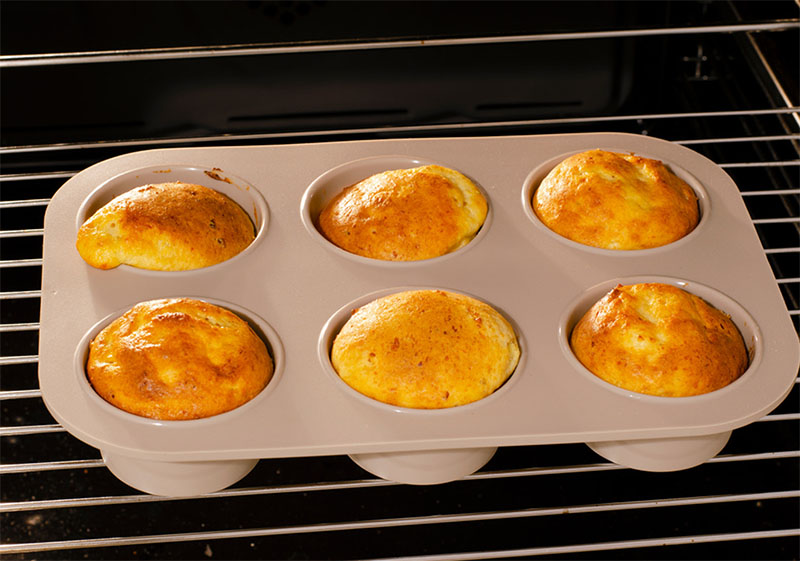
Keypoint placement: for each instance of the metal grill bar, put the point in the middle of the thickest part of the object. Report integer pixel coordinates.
(30, 429)
(775, 192)
(19, 394)
(761, 164)
(748, 139)
(23, 204)
(4, 234)
(20, 263)
(44, 466)
(50, 466)
(609, 546)
(328, 486)
(776, 220)
(20, 294)
(395, 129)
(396, 522)
(38, 175)
(68, 174)
(782, 250)
(18, 327)
(22, 359)
(51, 59)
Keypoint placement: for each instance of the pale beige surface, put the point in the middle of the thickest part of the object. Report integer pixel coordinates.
(616, 201)
(658, 339)
(405, 214)
(426, 349)
(178, 359)
(165, 227)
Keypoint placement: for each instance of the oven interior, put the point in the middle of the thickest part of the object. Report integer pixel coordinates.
(83, 82)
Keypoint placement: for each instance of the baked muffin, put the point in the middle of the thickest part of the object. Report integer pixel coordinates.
(425, 349)
(165, 227)
(178, 359)
(658, 339)
(616, 201)
(405, 214)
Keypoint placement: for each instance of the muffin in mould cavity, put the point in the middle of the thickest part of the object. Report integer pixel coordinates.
(178, 359)
(658, 339)
(425, 349)
(173, 226)
(405, 214)
(616, 201)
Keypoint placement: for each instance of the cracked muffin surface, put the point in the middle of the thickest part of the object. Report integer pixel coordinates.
(178, 359)
(165, 227)
(616, 201)
(405, 214)
(661, 340)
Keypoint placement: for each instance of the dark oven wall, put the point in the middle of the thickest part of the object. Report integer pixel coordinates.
(316, 90)
(81, 82)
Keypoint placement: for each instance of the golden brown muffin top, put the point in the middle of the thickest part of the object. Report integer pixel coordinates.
(616, 201)
(425, 349)
(659, 340)
(178, 359)
(165, 227)
(405, 214)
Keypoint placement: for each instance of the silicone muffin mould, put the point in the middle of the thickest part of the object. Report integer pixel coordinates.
(303, 287)
(674, 453)
(179, 478)
(417, 467)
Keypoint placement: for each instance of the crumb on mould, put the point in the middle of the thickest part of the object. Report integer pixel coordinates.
(163, 171)
(214, 174)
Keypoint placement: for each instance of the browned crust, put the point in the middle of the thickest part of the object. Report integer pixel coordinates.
(405, 215)
(178, 359)
(426, 349)
(616, 201)
(165, 227)
(659, 340)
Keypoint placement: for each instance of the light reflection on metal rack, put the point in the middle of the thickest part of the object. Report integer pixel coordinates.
(446, 519)
(438, 128)
(50, 59)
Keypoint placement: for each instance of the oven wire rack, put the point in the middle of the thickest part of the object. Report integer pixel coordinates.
(542, 502)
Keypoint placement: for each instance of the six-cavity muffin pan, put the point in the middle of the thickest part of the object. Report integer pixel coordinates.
(297, 290)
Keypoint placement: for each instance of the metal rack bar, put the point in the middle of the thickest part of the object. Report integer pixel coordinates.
(395, 129)
(409, 521)
(608, 546)
(19, 394)
(308, 488)
(4, 234)
(20, 294)
(50, 59)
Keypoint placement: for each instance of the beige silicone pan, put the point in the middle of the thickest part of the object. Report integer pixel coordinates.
(297, 291)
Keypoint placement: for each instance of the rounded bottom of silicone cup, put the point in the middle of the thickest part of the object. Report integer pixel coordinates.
(662, 454)
(427, 467)
(177, 479)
